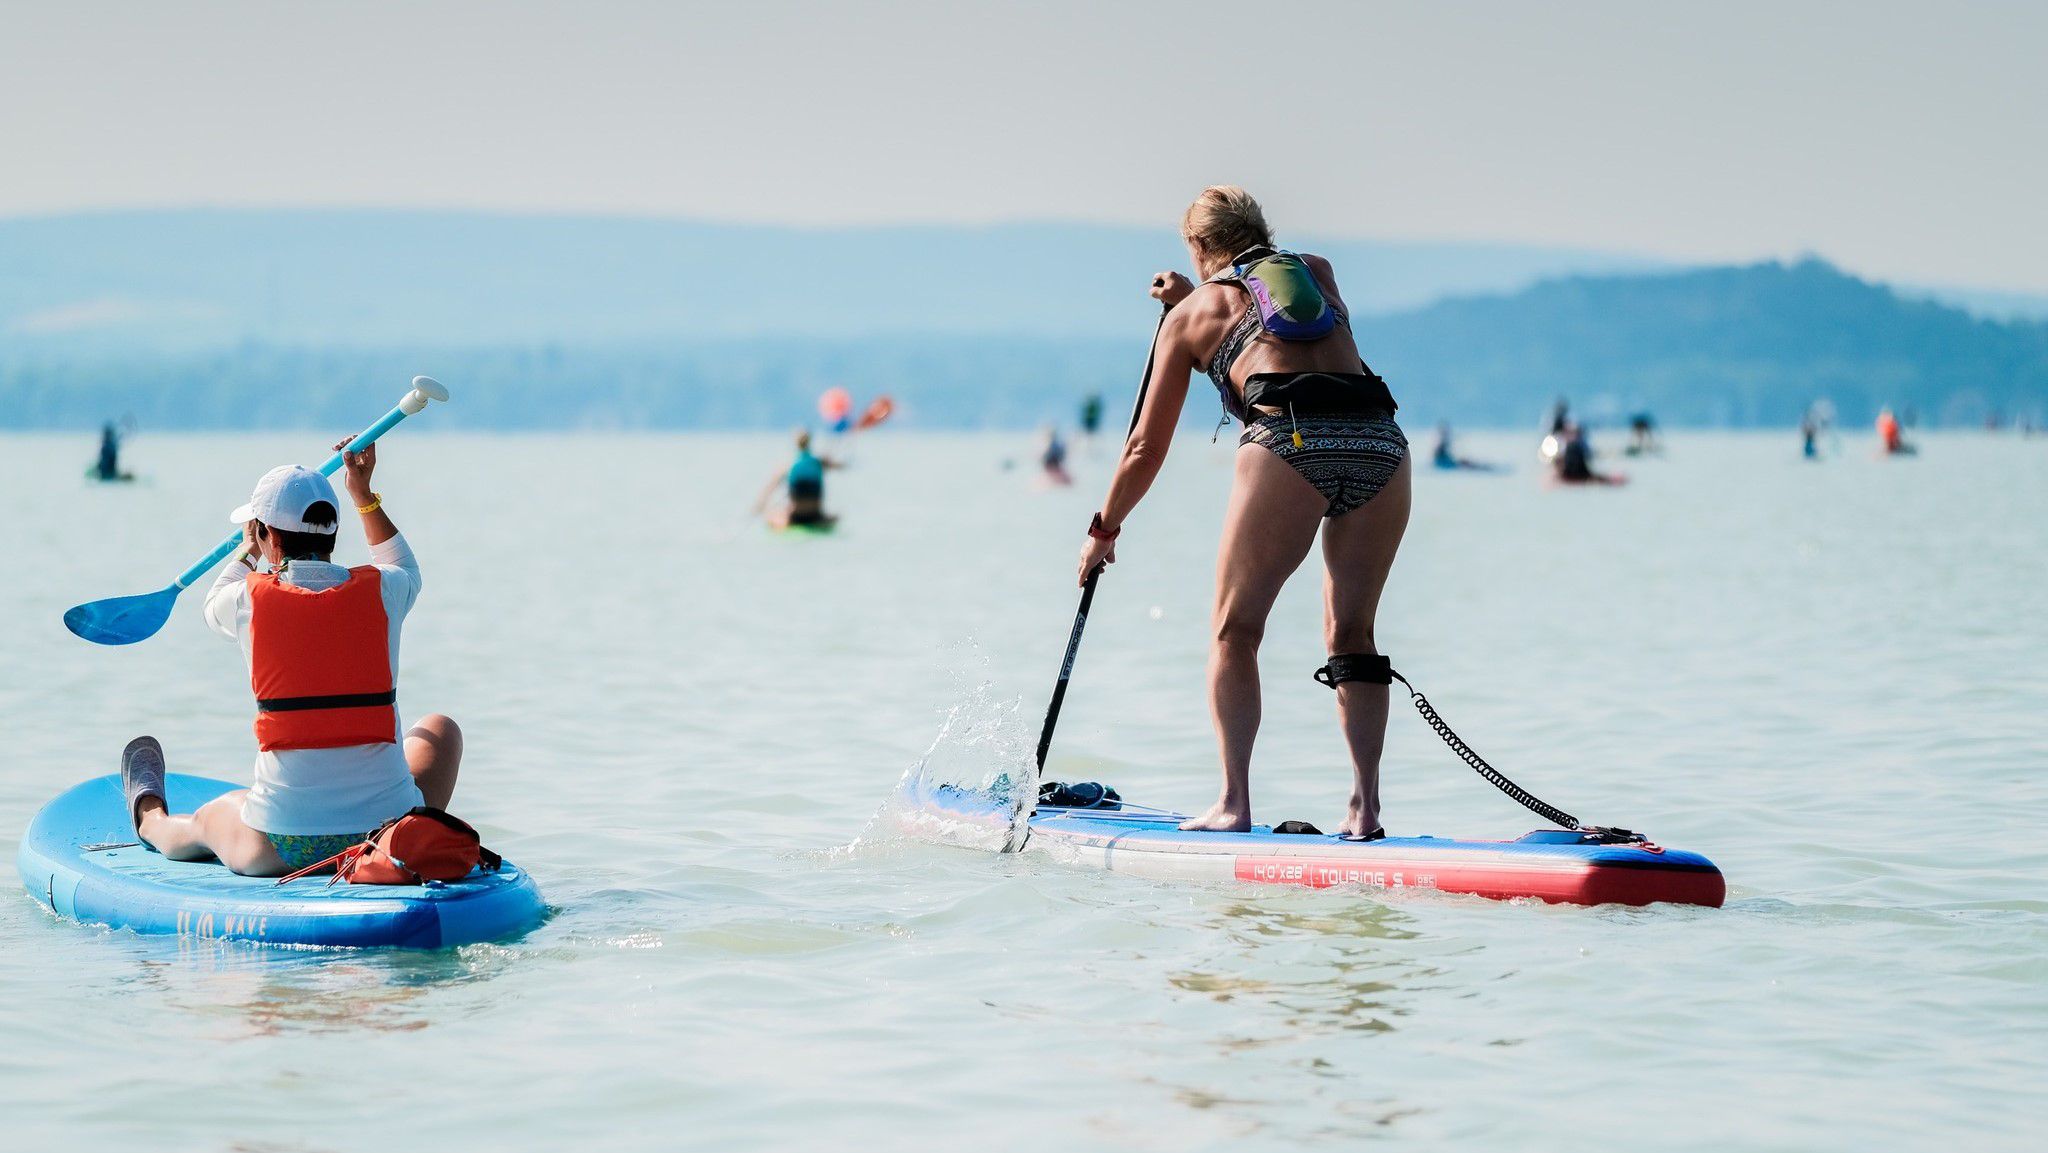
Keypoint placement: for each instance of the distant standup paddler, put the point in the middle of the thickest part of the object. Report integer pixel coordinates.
(321, 641)
(1891, 434)
(1091, 415)
(1642, 436)
(1052, 458)
(804, 490)
(1320, 450)
(108, 465)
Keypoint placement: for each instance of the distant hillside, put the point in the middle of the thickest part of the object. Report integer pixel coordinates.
(1719, 346)
(191, 280)
(1724, 347)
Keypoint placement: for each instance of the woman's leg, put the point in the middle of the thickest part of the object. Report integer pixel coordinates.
(1358, 551)
(1272, 522)
(433, 750)
(216, 830)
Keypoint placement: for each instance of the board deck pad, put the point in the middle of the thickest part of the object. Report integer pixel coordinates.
(1554, 865)
(80, 857)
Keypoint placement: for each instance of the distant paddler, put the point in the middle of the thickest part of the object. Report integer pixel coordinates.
(107, 467)
(1642, 435)
(1320, 452)
(1052, 458)
(802, 490)
(1891, 435)
(1091, 416)
(802, 486)
(1574, 461)
(1445, 457)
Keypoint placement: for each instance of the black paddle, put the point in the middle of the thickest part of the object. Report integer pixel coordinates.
(1059, 688)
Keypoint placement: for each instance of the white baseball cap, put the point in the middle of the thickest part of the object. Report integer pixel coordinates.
(283, 496)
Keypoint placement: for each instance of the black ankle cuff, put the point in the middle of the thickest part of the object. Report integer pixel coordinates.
(1371, 668)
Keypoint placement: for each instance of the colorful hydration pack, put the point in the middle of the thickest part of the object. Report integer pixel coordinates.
(1291, 304)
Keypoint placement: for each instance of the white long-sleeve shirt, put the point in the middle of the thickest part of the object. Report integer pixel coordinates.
(304, 792)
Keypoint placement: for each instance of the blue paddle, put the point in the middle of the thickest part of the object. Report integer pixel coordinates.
(125, 620)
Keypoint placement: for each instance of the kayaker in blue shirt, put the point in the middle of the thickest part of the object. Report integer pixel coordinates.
(804, 490)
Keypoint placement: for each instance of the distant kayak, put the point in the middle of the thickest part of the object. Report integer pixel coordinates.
(80, 858)
(1554, 865)
(819, 528)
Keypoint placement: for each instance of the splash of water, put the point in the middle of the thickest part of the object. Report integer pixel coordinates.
(974, 786)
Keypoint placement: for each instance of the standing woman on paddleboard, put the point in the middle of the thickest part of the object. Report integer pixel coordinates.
(321, 641)
(1320, 450)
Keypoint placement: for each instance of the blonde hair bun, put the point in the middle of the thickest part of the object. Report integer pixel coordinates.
(1224, 221)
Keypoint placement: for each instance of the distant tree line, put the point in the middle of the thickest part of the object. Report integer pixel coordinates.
(1724, 347)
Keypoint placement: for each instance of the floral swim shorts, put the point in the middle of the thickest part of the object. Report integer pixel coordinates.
(299, 851)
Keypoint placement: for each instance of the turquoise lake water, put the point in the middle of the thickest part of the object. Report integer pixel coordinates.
(1829, 677)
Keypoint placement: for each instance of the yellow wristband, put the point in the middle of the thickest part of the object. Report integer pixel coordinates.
(376, 502)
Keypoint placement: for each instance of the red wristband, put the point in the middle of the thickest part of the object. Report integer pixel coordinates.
(1096, 530)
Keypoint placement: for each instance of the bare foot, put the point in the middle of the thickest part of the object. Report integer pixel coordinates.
(1358, 823)
(1222, 817)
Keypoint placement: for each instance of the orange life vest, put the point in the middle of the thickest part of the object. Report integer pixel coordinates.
(320, 662)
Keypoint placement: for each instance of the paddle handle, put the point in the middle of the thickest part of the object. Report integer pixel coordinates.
(424, 389)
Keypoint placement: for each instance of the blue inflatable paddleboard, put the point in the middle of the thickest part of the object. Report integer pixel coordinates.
(80, 857)
(1553, 865)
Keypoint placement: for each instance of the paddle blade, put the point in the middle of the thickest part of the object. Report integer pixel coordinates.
(877, 412)
(123, 620)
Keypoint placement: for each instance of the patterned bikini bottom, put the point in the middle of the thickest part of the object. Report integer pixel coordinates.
(1349, 457)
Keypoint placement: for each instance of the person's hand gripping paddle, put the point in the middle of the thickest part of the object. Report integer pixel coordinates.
(125, 620)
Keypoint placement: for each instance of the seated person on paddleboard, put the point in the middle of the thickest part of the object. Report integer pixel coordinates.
(805, 489)
(1320, 450)
(321, 641)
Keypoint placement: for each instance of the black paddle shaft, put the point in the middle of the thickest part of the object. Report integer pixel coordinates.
(1059, 688)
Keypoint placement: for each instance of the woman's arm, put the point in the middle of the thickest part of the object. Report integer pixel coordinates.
(1144, 451)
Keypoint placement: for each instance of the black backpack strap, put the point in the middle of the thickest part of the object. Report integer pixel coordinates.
(443, 817)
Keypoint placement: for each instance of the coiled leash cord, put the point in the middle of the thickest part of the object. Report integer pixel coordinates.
(1376, 669)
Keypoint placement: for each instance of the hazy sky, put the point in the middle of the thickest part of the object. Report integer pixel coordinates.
(1904, 140)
